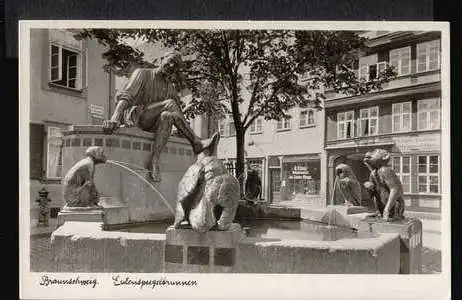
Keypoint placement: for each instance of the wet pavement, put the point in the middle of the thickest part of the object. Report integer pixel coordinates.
(42, 257)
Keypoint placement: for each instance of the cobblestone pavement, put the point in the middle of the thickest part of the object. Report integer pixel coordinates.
(41, 257)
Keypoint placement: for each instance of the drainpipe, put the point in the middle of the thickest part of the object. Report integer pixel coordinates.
(109, 100)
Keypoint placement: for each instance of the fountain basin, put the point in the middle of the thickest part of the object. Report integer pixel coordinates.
(86, 246)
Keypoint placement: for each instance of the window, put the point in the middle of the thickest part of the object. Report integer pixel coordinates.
(256, 126)
(232, 128)
(65, 61)
(428, 111)
(369, 72)
(401, 116)
(345, 125)
(428, 176)
(222, 127)
(64, 70)
(402, 167)
(401, 60)
(283, 124)
(306, 117)
(54, 152)
(369, 119)
(428, 56)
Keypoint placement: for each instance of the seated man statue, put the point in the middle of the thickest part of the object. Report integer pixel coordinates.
(78, 184)
(151, 102)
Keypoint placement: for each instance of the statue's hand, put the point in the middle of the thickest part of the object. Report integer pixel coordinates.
(109, 126)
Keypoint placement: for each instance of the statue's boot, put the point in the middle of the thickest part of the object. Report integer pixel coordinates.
(197, 143)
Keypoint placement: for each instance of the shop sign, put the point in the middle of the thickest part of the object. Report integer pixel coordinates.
(300, 172)
(424, 143)
(306, 177)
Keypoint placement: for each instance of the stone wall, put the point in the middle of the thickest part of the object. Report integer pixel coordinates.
(131, 147)
(86, 247)
(356, 256)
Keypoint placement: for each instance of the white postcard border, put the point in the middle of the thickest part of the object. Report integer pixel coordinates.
(232, 286)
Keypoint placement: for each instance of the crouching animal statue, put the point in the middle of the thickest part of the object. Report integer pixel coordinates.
(78, 184)
(205, 185)
(384, 185)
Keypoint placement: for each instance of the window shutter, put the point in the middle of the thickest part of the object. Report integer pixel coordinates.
(394, 58)
(55, 72)
(421, 57)
(37, 136)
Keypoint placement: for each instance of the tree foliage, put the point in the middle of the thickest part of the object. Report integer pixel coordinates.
(248, 73)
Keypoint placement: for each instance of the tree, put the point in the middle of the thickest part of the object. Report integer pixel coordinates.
(285, 68)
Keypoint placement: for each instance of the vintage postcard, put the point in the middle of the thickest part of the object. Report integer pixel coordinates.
(234, 160)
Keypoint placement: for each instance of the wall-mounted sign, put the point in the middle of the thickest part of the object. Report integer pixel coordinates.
(423, 143)
(96, 113)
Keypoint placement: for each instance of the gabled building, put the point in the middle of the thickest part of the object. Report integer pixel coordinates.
(67, 86)
(403, 118)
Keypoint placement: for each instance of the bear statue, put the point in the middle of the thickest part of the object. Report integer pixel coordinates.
(206, 185)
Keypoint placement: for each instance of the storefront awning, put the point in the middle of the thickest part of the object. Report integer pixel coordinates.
(375, 145)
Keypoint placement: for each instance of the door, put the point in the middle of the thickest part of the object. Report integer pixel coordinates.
(275, 185)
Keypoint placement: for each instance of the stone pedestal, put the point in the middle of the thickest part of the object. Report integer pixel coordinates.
(115, 211)
(189, 251)
(410, 232)
(81, 214)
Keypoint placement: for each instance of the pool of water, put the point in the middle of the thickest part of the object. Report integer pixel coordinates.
(270, 229)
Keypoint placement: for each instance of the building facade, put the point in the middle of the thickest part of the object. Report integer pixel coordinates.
(287, 155)
(403, 118)
(67, 86)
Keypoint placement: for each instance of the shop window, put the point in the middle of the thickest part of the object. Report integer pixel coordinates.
(345, 122)
(428, 174)
(428, 111)
(369, 119)
(256, 126)
(401, 116)
(402, 167)
(400, 59)
(302, 178)
(306, 117)
(55, 145)
(283, 124)
(428, 56)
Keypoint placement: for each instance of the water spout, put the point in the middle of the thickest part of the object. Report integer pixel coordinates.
(123, 166)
